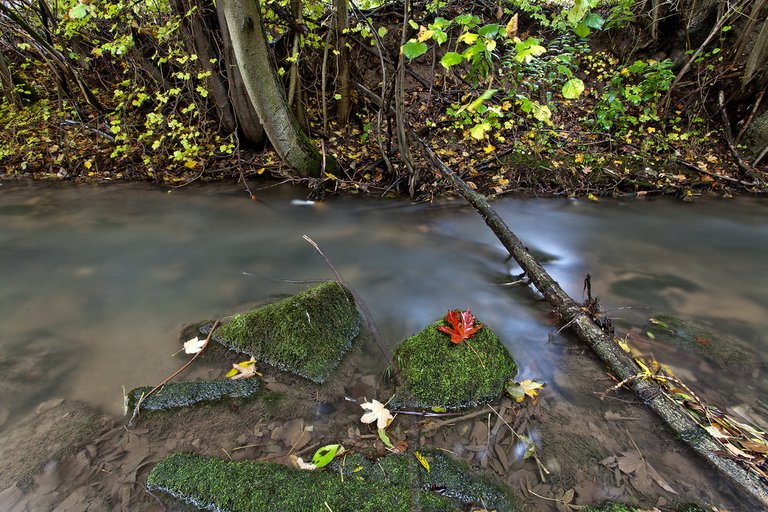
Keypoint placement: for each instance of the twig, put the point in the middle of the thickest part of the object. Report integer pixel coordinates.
(751, 116)
(360, 303)
(542, 468)
(174, 374)
(475, 351)
(744, 166)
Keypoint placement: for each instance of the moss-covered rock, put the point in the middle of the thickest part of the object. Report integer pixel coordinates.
(721, 349)
(306, 334)
(183, 394)
(392, 484)
(437, 373)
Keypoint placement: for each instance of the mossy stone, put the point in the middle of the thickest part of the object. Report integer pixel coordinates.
(183, 394)
(396, 483)
(306, 334)
(253, 486)
(721, 349)
(437, 373)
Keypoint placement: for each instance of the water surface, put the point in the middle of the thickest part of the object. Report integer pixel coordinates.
(96, 281)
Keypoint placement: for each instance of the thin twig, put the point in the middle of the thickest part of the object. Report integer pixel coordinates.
(174, 374)
(366, 312)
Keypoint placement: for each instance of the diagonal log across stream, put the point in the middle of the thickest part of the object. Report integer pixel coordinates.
(619, 362)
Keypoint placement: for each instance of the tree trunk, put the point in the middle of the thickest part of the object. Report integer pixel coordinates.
(756, 137)
(247, 119)
(251, 51)
(618, 361)
(342, 25)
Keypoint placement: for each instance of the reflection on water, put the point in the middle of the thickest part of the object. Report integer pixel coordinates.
(96, 281)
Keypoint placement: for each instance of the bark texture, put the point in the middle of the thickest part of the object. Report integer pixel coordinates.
(618, 361)
(251, 51)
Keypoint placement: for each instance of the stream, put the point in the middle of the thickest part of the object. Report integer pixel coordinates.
(96, 281)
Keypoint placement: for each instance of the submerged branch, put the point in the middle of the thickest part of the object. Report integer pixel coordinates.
(618, 361)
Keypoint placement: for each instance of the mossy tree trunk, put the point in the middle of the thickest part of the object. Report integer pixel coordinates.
(249, 42)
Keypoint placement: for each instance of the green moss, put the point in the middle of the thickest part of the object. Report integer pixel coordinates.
(458, 481)
(353, 483)
(183, 394)
(718, 348)
(437, 373)
(254, 486)
(611, 507)
(306, 334)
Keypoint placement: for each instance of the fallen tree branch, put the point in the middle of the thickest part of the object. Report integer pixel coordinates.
(743, 165)
(618, 361)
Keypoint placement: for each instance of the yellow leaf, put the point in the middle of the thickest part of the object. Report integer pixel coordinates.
(503, 181)
(244, 368)
(592, 197)
(530, 387)
(512, 27)
(424, 34)
(468, 37)
(261, 171)
(88, 164)
(490, 45)
(489, 148)
(422, 460)
(579, 158)
(190, 164)
(330, 176)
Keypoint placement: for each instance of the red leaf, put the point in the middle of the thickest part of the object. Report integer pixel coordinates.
(462, 325)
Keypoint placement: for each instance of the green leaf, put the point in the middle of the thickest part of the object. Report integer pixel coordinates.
(439, 35)
(413, 24)
(489, 31)
(337, 96)
(382, 31)
(594, 20)
(385, 438)
(79, 11)
(573, 88)
(413, 49)
(466, 19)
(577, 12)
(451, 59)
(325, 454)
(479, 130)
(440, 23)
(528, 49)
(581, 30)
(541, 112)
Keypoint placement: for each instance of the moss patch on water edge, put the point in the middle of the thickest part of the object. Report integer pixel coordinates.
(437, 373)
(397, 483)
(175, 395)
(306, 334)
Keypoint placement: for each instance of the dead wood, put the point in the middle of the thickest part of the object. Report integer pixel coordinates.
(619, 362)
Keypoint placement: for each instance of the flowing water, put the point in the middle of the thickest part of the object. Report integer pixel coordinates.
(96, 281)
